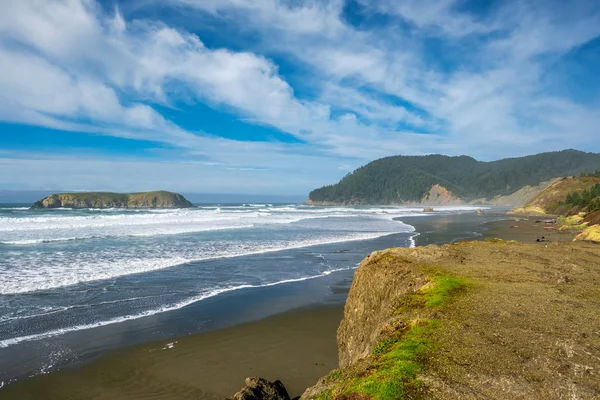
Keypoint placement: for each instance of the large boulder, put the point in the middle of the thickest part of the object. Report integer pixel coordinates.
(261, 389)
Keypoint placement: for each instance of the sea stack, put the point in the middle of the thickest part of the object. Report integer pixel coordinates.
(156, 199)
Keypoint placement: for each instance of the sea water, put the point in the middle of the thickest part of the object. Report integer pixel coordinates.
(65, 271)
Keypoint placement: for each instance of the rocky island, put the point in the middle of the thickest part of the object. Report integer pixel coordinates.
(156, 199)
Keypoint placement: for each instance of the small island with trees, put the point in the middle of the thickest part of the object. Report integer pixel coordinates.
(156, 199)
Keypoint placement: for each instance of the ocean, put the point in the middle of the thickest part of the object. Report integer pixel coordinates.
(77, 283)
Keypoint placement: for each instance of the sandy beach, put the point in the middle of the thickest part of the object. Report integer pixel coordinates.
(297, 347)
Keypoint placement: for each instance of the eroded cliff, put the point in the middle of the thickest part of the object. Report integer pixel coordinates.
(472, 320)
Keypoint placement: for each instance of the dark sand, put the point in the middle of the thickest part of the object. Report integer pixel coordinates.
(297, 347)
(526, 230)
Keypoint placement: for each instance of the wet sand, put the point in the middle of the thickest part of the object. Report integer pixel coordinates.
(526, 230)
(297, 347)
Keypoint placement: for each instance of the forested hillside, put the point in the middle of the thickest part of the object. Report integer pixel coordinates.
(400, 179)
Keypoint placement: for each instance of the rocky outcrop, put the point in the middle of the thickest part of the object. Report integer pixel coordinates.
(157, 199)
(262, 389)
(375, 291)
(470, 320)
(440, 196)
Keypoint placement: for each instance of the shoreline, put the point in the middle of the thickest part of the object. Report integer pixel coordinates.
(208, 365)
(267, 353)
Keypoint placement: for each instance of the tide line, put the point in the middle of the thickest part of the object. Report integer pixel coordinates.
(215, 292)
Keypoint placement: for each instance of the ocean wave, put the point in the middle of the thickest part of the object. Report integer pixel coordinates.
(176, 306)
(55, 310)
(174, 231)
(39, 279)
(54, 228)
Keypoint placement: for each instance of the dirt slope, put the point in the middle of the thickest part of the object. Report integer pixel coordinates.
(547, 201)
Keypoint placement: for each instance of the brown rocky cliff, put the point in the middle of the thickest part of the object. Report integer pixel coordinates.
(368, 311)
(440, 196)
(524, 326)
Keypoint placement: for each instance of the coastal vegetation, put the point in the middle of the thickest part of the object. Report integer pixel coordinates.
(156, 199)
(576, 202)
(408, 179)
(563, 197)
(399, 357)
(587, 199)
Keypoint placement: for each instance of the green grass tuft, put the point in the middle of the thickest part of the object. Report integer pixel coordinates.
(326, 395)
(444, 287)
(395, 371)
(333, 376)
(384, 345)
(398, 358)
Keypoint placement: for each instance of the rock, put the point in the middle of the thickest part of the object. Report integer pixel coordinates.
(158, 199)
(428, 209)
(261, 389)
(376, 288)
(440, 196)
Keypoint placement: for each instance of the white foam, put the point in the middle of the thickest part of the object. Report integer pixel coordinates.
(54, 310)
(412, 241)
(169, 346)
(171, 231)
(214, 292)
(70, 272)
(50, 227)
(33, 268)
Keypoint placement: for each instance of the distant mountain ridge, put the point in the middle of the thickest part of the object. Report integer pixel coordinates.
(157, 199)
(410, 179)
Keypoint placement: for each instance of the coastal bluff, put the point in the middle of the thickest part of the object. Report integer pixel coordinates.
(102, 200)
(479, 319)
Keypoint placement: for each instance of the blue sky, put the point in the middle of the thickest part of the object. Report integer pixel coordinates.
(282, 96)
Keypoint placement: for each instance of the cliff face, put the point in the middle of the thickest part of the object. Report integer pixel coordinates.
(158, 199)
(375, 292)
(440, 196)
(471, 320)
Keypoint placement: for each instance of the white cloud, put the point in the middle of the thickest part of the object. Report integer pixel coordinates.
(72, 65)
(494, 104)
(144, 59)
(440, 16)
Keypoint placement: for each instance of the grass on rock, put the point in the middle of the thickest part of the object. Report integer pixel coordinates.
(398, 358)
